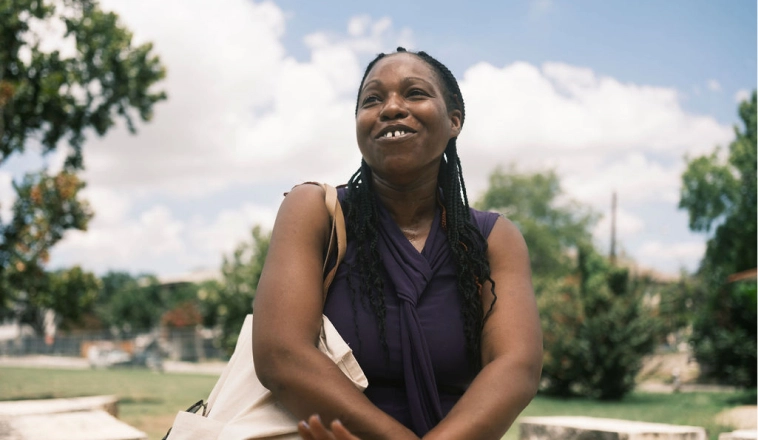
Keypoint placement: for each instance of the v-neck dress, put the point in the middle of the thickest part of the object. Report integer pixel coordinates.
(427, 370)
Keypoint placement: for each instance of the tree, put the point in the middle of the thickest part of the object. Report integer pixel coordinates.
(552, 230)
(70, 294)
(130, 304)
(50, 100)
(225, 304)
(720, 195)
(596, 329)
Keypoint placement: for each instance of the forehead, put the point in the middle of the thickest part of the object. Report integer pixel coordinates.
(402, 65)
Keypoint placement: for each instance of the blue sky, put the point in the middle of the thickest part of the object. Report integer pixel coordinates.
(612, 95)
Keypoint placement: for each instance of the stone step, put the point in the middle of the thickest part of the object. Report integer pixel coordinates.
(742, 434)
(592, 428)
(77, 425)
(108, 404)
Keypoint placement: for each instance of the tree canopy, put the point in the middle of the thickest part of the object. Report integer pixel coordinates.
(719, 194)
(552, 226)
(52, 99)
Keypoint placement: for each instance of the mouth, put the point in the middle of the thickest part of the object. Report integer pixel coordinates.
(395, 132)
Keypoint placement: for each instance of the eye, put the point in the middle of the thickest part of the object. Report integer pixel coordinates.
(417, 92)
(370, 99)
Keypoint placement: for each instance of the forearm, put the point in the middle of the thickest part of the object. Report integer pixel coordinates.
(491, 404)
(323, 389)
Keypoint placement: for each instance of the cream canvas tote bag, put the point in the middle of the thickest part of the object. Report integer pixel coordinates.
(239, 407)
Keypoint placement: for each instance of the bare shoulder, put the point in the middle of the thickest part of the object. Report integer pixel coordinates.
(506, 244)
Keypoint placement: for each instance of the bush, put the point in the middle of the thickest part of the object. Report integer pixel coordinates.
(724, 335)
(596, 329)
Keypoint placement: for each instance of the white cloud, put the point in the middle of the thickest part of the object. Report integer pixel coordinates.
(742, 95)
(540, 7)
(673, 256)
(627, 224)
(242, 111)
(229, 228)
(135, 245)
(634, 177)
(239, 109)
(155, 237)
(565, 109)
(714, 86)
(7, 197)
(571, 119)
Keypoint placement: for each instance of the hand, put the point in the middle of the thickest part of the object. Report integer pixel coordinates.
(313, 429)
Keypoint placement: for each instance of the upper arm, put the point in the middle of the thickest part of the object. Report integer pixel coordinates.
(513, 327)
(289, 297)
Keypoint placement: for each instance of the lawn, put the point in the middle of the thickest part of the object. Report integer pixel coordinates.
(149, 401)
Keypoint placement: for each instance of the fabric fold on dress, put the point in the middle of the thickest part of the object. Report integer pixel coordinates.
(410, 272)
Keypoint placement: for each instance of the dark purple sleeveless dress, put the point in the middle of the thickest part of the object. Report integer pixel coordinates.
(427, 370)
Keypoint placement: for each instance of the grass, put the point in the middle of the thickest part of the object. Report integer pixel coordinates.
(149, 401)
(693, 409)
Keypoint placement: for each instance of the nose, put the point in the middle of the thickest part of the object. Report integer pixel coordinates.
(393, 108)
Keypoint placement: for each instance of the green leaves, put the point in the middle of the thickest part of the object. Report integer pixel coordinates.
(596, 329)
(48, 98)
(719, 194)
(551, 228)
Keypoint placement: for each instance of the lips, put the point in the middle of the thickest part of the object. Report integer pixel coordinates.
(395, 131)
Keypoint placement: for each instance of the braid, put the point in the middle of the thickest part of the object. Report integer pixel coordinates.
(468, 246)
(361, 228)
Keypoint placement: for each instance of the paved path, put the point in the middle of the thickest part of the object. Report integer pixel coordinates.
(40, 361)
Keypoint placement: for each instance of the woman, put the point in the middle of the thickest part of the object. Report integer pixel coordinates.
(435, 298)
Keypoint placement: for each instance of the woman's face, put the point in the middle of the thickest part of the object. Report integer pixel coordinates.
(403, 124)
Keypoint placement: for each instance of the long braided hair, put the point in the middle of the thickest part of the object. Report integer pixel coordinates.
(468, 245)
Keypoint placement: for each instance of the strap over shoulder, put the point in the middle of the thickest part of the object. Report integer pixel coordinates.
(337, 236)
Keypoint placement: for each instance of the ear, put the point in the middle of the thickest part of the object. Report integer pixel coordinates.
(455, 123)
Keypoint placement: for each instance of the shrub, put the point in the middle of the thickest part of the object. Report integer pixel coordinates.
(724, 335)
(596, 329)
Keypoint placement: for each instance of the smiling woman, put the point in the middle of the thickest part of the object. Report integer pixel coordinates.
(434, 298)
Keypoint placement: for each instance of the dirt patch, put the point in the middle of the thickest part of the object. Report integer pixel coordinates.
(741, 417)
(663, 368)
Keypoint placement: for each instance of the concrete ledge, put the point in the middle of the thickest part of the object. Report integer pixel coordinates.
(590, 428)
(108, 404)
(79, 425)
(742, 434)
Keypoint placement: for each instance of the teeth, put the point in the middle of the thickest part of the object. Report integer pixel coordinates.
(397, 133)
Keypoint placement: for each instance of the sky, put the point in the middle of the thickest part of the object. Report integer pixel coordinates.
(611, 95)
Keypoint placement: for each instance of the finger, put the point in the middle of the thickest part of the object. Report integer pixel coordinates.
(340, 432)
(304, 430)
(318, 430)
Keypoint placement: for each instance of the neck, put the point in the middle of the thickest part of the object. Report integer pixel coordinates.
(411, 205)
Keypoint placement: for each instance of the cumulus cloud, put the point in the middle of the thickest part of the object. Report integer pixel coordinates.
(627, 224)
(155, 237)
(7, 197)
(714, 86)
(242, 111)
(742, 95)
(239, 111)
(596, 131)
(686, 255)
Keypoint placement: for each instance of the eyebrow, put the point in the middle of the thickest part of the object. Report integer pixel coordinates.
(405, 80)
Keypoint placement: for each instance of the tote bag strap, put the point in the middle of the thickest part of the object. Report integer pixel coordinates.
(337, 237)
(337, 242)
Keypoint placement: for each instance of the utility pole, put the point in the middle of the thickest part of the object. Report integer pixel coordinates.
(613, 229)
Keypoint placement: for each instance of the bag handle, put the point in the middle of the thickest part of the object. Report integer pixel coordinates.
(337, 237)
(337, 233)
